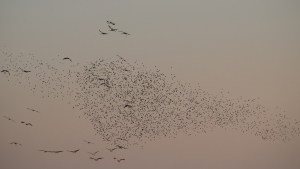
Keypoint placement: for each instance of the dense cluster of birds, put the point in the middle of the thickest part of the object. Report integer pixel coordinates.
(129, 104)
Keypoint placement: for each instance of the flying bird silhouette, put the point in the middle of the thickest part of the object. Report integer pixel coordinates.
(121, 147)
(109, 22)
(5, 71)
(112, 29)
(15, 143)
(66, 58)
(33, 110)
(125, 33)
(88, 142)
(111, 150)
(26, 123)
(9, 118)
(103, 33)
(45, 151)
(25, 71)
(96, 159)
(75, 151)
(119, 160)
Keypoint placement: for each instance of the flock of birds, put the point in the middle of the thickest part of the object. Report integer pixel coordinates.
(112, 29)
(129, 104)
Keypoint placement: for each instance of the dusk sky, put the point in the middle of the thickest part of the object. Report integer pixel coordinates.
(229, 49)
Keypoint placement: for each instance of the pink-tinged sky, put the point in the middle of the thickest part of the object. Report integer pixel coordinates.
(249, 49)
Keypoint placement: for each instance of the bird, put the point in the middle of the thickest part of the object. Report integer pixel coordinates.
(121, 58)
(103, 33)
(125, 33)
(26, 123)
(122, 139)
(45, 151)
(127, 106)
(88, 142)
(96, 159)
(33, 110)
(73, 151)
(9, 118)
(67, 58)
(5, 71)
(119, 160)
(121, 147)
(109, 22)
(111, 150)
(25, 71)
(15, 143)
(112, 29)
(93, 153)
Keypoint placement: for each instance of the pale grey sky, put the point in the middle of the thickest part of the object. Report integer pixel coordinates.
(246, 48)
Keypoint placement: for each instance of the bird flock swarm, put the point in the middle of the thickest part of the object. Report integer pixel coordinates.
(129, 104)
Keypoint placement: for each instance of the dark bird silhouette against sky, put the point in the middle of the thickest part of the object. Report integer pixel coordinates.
(5, 71)
(103, 33)
(96, 159)
(15, 143)
(9, 118)
(75, 151)
(66, 58)
(26, 123)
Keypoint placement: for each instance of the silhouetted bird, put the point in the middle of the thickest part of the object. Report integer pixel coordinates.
(5, 71)
(96, 159)
(119, 160)
(103, 33)
(73, 151)
(15, 143)
(25, 71)
(125, 33)
(111, 150)
(9, 118)
(67, 58)
(112, 29)
(109, 22)
(89, 142)
(26, 123)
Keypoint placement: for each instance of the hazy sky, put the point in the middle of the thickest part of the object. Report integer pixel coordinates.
(246, 48)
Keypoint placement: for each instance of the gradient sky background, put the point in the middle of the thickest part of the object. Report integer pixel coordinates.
(247, 48)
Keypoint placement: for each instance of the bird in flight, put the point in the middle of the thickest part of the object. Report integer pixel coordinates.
(25, 71)
(51, 151)
(121, 147)
(67, 58)
(125, 33)
(112, 29)
(9, 118)
(122, 139)
(119, 160)
(103, 33)
(26, 123)
(93, 153)
(127, 106)
(73, 151)
(15, 143)
(33, 110)
(109, 22)
(88, 142)
(111, 150)
(5, 71)
(96, 159)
